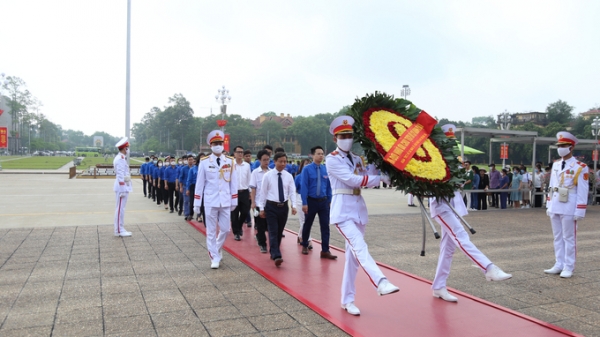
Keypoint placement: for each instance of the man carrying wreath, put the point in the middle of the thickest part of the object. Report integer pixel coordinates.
(348, 175)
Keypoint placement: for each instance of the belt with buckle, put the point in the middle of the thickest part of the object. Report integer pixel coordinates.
(278, 204)
(347, 191)
(318, 199)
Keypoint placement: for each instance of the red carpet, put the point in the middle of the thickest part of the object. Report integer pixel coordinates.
(411, 312)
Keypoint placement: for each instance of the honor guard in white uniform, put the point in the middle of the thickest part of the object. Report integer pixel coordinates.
(219, 186)
(453, 236)
(348, 175)
(567, 202)
(122, 185)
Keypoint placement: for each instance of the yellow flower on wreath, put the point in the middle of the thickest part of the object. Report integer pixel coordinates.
(433, 170)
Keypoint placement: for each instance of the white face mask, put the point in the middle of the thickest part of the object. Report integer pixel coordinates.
(159, 164)
(217, 149)
(127, 151)
(185, 162)
(172, 163)
(563, 151)
(345, 144)
(179, 162)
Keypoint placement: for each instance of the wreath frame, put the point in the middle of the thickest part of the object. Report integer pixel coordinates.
(403, 180)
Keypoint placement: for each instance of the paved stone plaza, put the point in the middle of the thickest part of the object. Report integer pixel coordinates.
(63, 273)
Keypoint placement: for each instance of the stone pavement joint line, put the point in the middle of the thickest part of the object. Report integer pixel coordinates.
(80, 280)
(83, 281)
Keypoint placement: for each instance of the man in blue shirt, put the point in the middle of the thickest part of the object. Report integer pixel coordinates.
(143, 173)
(181, 181)
(256, 163)
(316, 199)
(170, 177)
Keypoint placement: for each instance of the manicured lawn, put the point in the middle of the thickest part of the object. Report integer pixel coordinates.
(92, 161)
(36, 163)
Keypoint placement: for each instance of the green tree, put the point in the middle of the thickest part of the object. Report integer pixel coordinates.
(309, 132)
(18, 98)
(559, 112)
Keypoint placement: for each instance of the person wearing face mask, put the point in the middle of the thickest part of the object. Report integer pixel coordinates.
(178, 194)
(538, 180)
(504, 183)
(191, 186)
(180, 184)
(163, 182)
(347, 176)
(171, 178)
(143, 174)
(525, 186)
(516, 196)
(216, 184)
(122, 186)
(154, 175)
(159, 182)
(567, 204)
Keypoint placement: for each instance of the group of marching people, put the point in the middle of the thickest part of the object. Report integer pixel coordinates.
(221, 185)
(171, 182)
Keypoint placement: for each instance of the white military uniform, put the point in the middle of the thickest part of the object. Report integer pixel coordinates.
(453, 235)
(574, 177)
(220, 187)
(349, 215)
(121, 187)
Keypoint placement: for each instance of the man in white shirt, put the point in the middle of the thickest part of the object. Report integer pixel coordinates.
(277, 188)
(348, 175)
(256, 178)
(122, 186)
(217, 184)
(239, 214)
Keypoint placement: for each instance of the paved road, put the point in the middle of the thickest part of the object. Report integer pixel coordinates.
(63, 273)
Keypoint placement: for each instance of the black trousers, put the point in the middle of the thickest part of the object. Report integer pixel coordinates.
(239, 214)
(320, 207)
(482, 201)
(495, 198)
(192, 191)
(144, 182)
(177, 198)
(156, 192)
(261, 228)
(170, 192)
(538, 198)
(181, 196)
(149, 181)
(276, 220)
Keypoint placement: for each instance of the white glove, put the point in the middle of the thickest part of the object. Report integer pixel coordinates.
(385, 179)
(197, 209)
(577, 218)
(548, 212)
(122, 194)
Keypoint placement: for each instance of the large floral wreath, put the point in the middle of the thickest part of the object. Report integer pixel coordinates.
(380, 120)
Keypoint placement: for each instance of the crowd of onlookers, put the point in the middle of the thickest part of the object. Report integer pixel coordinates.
(521, 186)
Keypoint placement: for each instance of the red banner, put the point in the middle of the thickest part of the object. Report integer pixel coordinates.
(504, 151)
(595, 155)
(226, 143)
(1, 111)
(409, 142)
(3, 137)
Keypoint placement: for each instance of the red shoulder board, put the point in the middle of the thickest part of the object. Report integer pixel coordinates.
(122, 157)
(582, 164)
(334, 153)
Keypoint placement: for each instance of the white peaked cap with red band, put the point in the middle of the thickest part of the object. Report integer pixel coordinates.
(215, 136)
(342, 124)
(449, 130)
(123, 143)
(565, 137)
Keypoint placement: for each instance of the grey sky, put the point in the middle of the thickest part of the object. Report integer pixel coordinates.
(461, 58)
